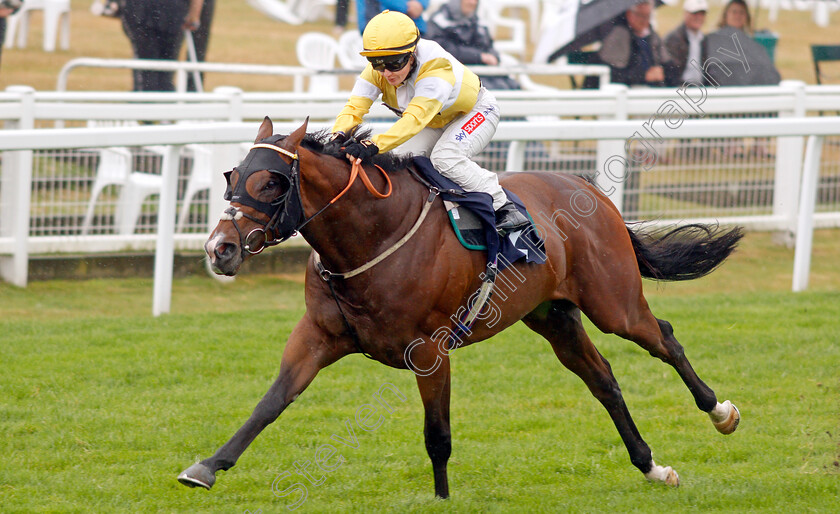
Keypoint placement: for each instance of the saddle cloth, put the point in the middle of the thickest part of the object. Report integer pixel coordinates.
(521, 244)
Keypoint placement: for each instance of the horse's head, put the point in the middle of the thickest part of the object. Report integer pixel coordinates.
(265, 205)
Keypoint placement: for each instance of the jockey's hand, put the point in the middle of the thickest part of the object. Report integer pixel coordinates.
(336, 136)
(358, 151)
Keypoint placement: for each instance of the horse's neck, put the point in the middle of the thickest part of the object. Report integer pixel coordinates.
(358, 226)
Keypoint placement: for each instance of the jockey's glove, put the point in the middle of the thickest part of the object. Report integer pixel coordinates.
(337, 136)
(361, 149)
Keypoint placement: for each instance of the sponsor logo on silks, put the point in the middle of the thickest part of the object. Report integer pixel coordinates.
(461, 136)
(474, 123)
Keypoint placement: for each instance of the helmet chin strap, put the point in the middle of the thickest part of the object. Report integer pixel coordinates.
(412, 70)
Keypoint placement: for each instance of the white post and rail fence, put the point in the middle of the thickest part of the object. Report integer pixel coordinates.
(215, 120)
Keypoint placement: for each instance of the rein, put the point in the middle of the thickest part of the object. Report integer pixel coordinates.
(356, 170)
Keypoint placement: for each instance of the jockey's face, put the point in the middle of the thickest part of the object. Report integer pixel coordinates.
(395, 78)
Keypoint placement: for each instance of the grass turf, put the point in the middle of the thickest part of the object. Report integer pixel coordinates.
(102, 405)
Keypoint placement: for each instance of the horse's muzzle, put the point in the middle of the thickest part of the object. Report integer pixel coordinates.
(225, 257)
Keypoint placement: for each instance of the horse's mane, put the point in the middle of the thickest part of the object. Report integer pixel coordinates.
(319, 142)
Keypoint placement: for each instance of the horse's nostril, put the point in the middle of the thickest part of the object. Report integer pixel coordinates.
(224, 250)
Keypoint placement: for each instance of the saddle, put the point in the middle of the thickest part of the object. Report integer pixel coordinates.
(473, 219)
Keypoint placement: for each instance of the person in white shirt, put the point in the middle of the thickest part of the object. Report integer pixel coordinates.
(685, 43)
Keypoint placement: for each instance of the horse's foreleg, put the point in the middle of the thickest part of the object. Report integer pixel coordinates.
(562, 327)
(434, 391)
(306, 352)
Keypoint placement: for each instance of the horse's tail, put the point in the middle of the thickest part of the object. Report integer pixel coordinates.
(684, 253)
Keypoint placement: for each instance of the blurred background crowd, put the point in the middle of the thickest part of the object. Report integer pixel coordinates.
(646, 43)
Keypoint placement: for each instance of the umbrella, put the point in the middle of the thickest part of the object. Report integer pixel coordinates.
(747, 61)
(578, 23)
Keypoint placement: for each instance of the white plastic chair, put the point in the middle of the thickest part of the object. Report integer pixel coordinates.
(318, 51)
(531, 6)
(523, 78)
(56, 17)
(200, 179)
(116, 168)
(277, 10)
(312, 10)
(349, 45)
(517, 43)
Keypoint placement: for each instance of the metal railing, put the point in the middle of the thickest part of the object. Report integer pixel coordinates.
(299, 73)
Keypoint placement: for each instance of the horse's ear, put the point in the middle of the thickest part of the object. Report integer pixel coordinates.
(297, 136)
(266, 129)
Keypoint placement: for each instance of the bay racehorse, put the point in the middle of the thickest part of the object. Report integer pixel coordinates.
(387, 273)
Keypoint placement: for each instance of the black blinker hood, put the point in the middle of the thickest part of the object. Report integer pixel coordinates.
(285, 225)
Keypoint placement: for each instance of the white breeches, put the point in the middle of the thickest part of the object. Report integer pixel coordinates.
(452, 147)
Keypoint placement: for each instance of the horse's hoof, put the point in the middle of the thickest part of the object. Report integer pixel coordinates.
(197, 475)
(725, 417)
(665, 474)
(673, 479)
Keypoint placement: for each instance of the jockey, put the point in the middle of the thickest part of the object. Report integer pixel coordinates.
(444, 112)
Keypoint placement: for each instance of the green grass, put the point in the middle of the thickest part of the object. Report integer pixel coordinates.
(101, 405)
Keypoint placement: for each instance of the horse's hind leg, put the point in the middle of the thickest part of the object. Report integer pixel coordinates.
(657, 337)
(561, 325)
(724, 416)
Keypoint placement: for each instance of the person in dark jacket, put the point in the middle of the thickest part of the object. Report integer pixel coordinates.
(456, 28)
(686, 43)
(155, 29)
(7, 8)
(201, 38)
(634, 52)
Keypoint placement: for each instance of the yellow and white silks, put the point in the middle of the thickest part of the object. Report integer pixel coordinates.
(445, 115)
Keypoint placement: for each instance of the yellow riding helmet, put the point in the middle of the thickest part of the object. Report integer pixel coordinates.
(389, 33)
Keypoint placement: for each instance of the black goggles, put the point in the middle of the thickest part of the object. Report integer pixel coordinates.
(392, 63)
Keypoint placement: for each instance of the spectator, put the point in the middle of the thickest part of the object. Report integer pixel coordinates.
(634, 52)
(155, 30)
(736, 14)
(201, 38)
(7, 8)
(367, 9)
(456, 28)
(685, 44)
(341, 8)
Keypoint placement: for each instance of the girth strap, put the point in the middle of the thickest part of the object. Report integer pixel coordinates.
(328, 275)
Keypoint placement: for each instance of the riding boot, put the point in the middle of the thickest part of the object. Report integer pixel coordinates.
(509, 219)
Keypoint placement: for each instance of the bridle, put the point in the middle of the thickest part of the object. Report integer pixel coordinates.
(286, 222)
(285, 213)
